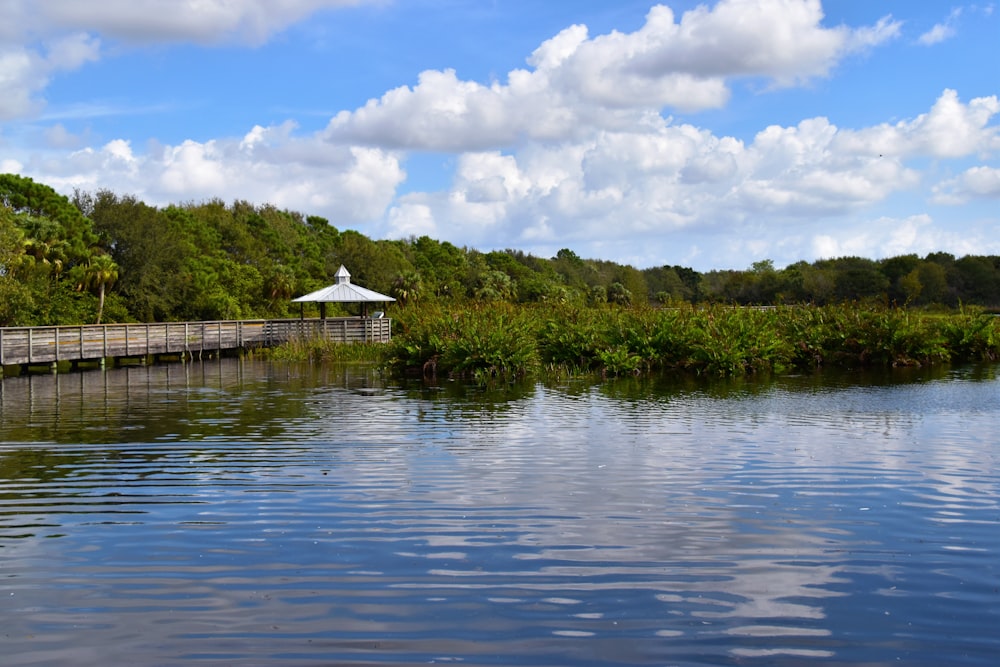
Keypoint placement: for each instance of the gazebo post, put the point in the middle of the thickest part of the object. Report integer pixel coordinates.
(322, 310)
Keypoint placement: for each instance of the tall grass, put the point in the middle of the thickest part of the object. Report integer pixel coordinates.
(319, 349)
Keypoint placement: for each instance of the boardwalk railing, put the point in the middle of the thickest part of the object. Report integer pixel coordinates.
(39, 345)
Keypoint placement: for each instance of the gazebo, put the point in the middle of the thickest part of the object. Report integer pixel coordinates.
(343, 291)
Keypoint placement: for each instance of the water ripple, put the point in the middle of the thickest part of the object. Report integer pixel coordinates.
(261, 514)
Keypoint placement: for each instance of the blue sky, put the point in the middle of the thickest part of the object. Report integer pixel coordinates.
(709, 135)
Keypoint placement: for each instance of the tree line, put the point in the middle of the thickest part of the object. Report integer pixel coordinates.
(102, 256)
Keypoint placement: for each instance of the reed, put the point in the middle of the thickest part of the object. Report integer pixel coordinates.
(319, 349)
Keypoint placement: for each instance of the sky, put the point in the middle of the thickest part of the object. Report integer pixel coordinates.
(710, 135)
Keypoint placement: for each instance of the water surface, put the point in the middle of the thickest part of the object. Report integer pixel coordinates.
(249, 513)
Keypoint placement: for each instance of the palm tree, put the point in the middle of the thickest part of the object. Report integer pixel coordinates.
(51, 253)
(282, 283)
(495, 285)
(100, 273)
(407, 287)
(619, 294)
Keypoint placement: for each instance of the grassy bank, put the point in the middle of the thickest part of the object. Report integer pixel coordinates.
(502, 340)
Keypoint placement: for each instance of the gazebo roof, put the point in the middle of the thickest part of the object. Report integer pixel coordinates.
(343, 291)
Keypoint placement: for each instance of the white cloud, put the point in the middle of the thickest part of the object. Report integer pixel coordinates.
(866, 37)
(937, 34)
(804, 170)
(25, 72)
(941, 31)
(352, 185)
(411, 218)
(779, 39)
(949, 130)
(21, 75)
(8, 166)
(982, 181)
(630, 191)
(977, 182)
(579, 85)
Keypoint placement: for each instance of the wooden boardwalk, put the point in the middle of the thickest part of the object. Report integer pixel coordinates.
(29, 346)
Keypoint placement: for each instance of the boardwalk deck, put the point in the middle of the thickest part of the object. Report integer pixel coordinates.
(27, 346)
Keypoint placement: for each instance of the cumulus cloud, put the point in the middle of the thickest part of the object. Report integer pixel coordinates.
(977, 182)
(352, 185)
(663, 180)
(778, 39)
(579, 84)
(950, 129)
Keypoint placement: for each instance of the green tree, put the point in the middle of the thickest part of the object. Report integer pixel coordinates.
(667, 284)
(933, 281)
(150, 247)
(16, 301)
(99, 273)
(978, 279)
(39, 202)
(619, 294)
(443, 267)
(819, 284)
(910, 286)
(407, 287)
(495, 285)
(634, 283)
(763, 285)
(857, 278)
(281, 284)
(598, 294)
(896, 269)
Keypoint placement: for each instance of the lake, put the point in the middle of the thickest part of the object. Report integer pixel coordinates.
(241, 512)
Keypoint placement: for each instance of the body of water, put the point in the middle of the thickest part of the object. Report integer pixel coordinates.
(254, 513)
